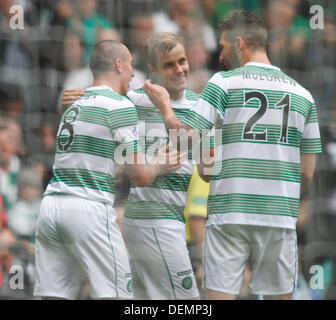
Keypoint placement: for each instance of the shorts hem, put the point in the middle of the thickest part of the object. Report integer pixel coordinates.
(221, 290)
(111, 297)
(53, 295)
(188, 298)
(171, 298)
(290, 291)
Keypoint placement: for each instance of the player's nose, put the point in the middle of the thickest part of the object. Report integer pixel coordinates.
(178, 69)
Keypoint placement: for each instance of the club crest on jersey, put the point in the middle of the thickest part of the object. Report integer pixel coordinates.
(187, 283)
(129, 286)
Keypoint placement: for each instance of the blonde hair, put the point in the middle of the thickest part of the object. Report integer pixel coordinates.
(162, 42)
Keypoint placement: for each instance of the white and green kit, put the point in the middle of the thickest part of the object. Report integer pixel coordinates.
(153, 220)
(265, 120)
(90, 131)
(77, 236)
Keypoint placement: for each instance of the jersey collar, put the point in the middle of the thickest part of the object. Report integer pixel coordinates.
(264, 65)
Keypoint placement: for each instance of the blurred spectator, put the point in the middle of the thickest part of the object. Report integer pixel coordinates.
(288, 35)
(198, 58)
(53, 19)
(22, 217)
(14, 253)
(16, 136)
(319, 235)
(19, 50)
(184, 17)
(76, 74)
(14, 49)
(124, 11)
(41, 148)
(3, 216)
(11, 100)
(217, 10)
(323, 81)
(140, 29)
(92, 26)
(9, 167)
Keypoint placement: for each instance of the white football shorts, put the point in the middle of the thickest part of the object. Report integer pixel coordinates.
(77, 239)
(160, 262)
(271, 252)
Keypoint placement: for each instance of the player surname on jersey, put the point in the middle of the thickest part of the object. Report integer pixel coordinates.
(268, 76)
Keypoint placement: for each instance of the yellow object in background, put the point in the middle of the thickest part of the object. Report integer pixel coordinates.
(197, 199)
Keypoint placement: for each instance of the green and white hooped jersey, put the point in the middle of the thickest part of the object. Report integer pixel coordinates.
(266, 119)
(166, 196)
(92, 130)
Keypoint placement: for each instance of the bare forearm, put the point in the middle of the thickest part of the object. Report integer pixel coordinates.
(171, 122)
(151, 172)
(201, 172)
(122, 187)
(142, 174)
(305, 182)
(197, 227)
(180, 133)
(160, 98)
(163, 162)
(207, 156)
(308, 162)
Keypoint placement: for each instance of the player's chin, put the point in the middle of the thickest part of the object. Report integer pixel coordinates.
(124, 91)
(179, 85)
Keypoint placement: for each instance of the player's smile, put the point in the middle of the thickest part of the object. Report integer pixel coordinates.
(172, 70)
(179, 79)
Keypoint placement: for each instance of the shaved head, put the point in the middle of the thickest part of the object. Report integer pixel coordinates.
(104, 54)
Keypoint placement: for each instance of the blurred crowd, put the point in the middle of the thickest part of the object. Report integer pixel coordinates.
(51, 54)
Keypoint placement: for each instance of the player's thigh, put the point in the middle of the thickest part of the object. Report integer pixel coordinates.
(274, 261)
(161, 260)
(91, 233)
(139, 289)
(226, 252)
(58, 274)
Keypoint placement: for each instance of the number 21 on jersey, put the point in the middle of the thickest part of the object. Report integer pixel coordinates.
(284, 103)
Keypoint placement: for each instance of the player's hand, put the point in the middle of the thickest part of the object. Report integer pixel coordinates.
(158, 95)
(69, 97)
(167, 161)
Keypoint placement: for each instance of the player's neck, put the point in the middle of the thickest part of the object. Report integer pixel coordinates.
(175, 95)
(256, 56)
(103, 81)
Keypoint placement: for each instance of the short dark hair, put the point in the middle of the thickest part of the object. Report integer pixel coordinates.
(248, 25)
(103, 55)
(10, 92)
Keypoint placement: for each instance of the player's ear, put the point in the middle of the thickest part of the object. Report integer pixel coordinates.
(240, 43)
(118, 65)
(151, 68)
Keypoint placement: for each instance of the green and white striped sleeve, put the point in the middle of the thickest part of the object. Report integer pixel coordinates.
(210, 107)
(311, 141)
